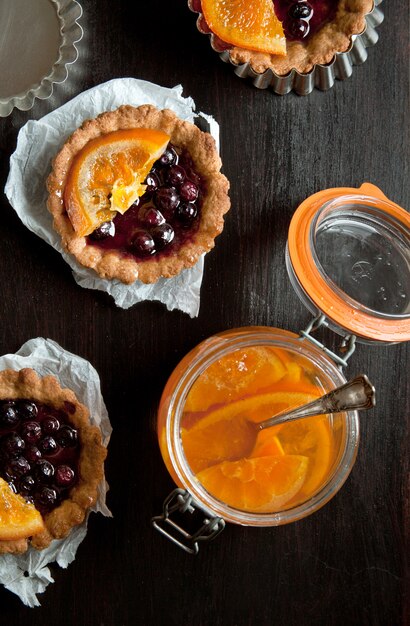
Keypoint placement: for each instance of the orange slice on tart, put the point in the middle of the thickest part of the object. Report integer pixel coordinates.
(18, 519)
(246, 24)
(108, 175)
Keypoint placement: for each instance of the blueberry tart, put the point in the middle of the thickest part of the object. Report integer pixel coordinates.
(51, 461)
(137, 193)
(282, 35)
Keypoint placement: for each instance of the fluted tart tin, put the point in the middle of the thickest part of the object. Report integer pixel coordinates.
(321, 76)
(37, 44)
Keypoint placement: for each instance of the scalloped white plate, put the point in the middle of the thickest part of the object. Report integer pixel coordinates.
(37, 43)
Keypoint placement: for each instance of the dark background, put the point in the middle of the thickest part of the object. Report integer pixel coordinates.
(343, 565)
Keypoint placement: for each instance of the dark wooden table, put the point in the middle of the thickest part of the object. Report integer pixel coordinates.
(343, 565)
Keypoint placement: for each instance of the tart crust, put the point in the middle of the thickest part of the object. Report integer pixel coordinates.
(113, 264)
(71, 512)
(333, 37)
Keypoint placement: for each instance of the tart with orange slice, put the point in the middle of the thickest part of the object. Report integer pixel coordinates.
(137, 193)
(282, 35)
(51, 461)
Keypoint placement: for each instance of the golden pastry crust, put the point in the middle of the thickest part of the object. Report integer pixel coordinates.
(71, 512)
(334, 37)
(201, 147)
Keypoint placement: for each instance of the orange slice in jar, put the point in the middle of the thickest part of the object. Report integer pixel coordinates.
(241, 373)
(213, 438)
(18, 519)
(268, 444)
(261, 485)
(248, 24)
(108, 175)
(311, 437)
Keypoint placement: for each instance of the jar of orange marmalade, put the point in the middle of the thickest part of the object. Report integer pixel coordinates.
(348, 258)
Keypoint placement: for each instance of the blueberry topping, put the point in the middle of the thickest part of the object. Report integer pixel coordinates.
(166, 199)
(107, 229)
(64, 476)
(187, 212)
(48, 445)
(163, 235)
(8, 415)
(50, 425)
(301, 10)
(169, 157)
(12, 444)
(143, 243)
(18, 467)
(44, 470)
(26, 484)
(176, 175)
(35, 434)
(150, 216)
(32, 454)
(47, 497)
(67, 437)
(27, 410)
(31, 432)
(152, 181)
(188, 191)
(296, 29)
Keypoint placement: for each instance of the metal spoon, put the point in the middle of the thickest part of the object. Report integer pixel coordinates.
(356, 394)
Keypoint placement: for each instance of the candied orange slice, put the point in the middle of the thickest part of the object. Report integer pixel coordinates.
(18, 518)
(247, 24)
(268, 444)
(241, 373)
(311, 437)
(216, 437)
(263, 484)
(107, 175)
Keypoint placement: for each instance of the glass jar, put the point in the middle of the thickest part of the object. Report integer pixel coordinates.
(348, 258)
(170, 414)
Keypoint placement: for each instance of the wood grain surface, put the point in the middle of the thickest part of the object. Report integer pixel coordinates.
(344, 565)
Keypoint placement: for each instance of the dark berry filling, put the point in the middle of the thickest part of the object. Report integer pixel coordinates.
(301, 19)
(39, 452)
(163, 219)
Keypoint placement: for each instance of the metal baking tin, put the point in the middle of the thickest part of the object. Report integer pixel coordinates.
(37, 43)
(321, 76)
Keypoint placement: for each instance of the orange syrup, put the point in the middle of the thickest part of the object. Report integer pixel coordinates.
(290, 462)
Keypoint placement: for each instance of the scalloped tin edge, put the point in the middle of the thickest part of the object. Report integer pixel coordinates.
(321, 76)
(68, 13)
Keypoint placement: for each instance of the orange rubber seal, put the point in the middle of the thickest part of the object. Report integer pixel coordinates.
(344, 312)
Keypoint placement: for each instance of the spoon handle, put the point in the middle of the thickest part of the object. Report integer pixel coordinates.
(358, 393)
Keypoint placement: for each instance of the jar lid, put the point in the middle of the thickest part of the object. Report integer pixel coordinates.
(350, 252)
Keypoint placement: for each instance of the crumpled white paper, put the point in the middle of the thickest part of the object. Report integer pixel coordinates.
(27, 574)
(38, 143)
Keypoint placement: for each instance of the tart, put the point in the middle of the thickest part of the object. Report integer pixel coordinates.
(137, 193)
(284, 34)
(51, 461)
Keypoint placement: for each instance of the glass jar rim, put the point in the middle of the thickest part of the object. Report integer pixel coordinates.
(331, 300)
(195, 363)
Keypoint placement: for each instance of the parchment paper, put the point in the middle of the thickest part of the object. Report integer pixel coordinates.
(38, 143)
(27, 575)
